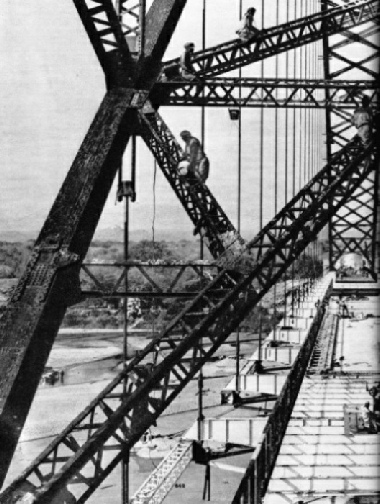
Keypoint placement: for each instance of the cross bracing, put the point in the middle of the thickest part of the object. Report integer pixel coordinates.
(51, 280)
(231, 55)
(250, 92)
(352, 51)
(87, 460)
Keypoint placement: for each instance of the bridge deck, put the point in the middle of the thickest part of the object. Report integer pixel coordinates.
(243, 425)
(326, 458)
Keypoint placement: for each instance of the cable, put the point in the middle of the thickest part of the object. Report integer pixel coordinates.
(239, 137)
(239, 126)
(153, 307)
(200, 375)
(261, 180)
(293, 192)
(286, 150)
(261, 132)
(276, 158)
(154, 205)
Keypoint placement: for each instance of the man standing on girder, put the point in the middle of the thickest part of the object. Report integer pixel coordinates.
(198, 163)
(362, 120)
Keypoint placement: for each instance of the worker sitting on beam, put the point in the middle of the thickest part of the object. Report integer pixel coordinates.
(248, 30)
(186, 69)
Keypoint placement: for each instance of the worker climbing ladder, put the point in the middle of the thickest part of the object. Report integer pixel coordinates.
(203, 209)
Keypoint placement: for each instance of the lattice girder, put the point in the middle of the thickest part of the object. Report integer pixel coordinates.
(203, 209)
(103, 28)
(130, 14)
(353, 52)
(250, 92)
(288, 234)
(50, 282)
(353, 225)
(155, 284)
(275, 40)
(51, 279)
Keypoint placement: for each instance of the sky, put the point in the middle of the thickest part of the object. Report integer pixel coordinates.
(51, 85)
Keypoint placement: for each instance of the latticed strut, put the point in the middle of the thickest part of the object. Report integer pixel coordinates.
(355, 51)
(50, 282)
(94, 443)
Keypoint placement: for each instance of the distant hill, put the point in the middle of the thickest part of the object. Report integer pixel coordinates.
(114, 234)
(104, 248)
(17, 236)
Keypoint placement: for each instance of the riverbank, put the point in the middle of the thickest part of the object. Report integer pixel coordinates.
(90, 360)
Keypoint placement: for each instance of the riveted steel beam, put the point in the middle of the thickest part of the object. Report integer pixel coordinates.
(235, 54)
(103, 28)
(353, 52)
(51, 280)
(203, 209)
(281, 93)
(92, 445)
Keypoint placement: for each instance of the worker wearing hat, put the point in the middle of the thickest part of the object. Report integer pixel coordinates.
(248, 29)
(362, 119)
(195, 163)
(185, 65)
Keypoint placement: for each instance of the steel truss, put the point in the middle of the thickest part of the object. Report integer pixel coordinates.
(249, 92)
(150, 272)
(198, 201)
(155, 285)
(353, 228)
(50, 282)
(103, 27)
(275, 40)
(131, 13)
(94, 443)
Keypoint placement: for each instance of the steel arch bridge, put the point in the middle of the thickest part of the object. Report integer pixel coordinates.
(130, 42)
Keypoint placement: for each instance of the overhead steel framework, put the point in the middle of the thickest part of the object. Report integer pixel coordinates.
(231, 55)
(250, 92)
(94, 443)
(100, 437)
(353, 228)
